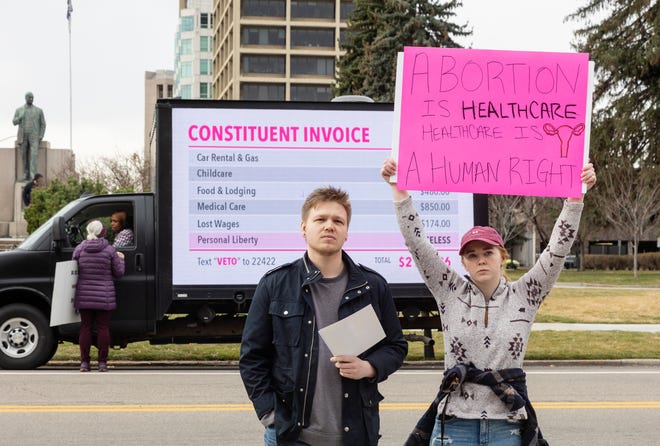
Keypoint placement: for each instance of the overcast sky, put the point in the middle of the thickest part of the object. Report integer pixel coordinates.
(114, 42)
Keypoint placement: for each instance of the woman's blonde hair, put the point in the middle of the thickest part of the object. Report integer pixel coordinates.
(505, 256)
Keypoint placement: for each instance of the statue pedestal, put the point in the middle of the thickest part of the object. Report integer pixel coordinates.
(18, 227)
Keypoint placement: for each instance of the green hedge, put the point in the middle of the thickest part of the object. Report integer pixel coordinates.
(649, 261)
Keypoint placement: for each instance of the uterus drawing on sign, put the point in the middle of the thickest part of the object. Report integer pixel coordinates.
(564, 133)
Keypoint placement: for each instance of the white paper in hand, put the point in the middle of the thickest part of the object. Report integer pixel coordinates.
(354, 334)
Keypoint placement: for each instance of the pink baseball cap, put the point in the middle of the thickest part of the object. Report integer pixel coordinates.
(482, 233)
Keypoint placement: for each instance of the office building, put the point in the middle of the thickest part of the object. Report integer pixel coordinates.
(193, 50)
(277, 49)
(158, 84)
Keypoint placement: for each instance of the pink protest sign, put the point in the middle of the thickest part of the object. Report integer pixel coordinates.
(497, 122)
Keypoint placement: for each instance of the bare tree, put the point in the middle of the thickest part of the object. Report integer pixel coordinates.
(541, 213)
(630, 200)
(119, 173)
(505, 213)
(66, 170)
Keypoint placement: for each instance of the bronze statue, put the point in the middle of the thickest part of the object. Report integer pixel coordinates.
(31, 129)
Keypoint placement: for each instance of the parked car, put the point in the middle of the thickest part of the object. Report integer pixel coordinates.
(570, 261)
(512, 264)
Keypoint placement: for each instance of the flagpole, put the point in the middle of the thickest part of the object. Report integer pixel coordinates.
(68, 16)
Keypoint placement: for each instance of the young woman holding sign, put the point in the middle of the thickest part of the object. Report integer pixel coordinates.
(486, 323)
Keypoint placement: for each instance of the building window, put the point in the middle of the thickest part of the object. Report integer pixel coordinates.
(204, 90)
(316, 93)
(186, 47)
(315, 66)
(206, 20)
(205, 44)
(312, 37)
(169, 90)
(262, 92)
(259, 64)
(319, 9)
(263, 8)
(186, 69)
(343, 35)
(346, 8)
(187, 23)
(205, 66)
(263, 35)
(160, 91)
(186, 91)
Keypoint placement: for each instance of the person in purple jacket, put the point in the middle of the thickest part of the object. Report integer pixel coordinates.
(99, 263)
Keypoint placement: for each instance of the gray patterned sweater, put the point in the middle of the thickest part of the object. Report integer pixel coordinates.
(491, 332)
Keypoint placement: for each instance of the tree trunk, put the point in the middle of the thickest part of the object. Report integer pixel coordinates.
(634, 250)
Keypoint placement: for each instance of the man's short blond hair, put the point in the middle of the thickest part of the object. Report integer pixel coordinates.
(325, 194)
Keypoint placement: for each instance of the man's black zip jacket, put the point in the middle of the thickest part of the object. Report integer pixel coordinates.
(279, 350)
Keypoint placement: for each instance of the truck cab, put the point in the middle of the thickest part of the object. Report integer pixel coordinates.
(27, 279)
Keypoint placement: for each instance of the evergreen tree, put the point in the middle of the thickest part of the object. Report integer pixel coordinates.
(378, 30)
(625, 47)
(622, 37)
(362, 29)
(47, 201)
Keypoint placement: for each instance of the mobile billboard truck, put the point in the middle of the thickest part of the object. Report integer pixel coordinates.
(231, 177)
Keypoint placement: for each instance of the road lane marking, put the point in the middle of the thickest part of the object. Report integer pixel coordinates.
(598, 405)
(439, 372)
(550, 405)
(436, 372)
(25, 408)
(5, 408)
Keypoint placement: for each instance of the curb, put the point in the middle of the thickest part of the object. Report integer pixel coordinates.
(148, 364)
(425, 364)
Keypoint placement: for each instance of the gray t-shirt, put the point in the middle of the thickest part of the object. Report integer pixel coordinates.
(325, 426)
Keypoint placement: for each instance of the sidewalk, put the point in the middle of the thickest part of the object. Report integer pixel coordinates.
(418, 364)
(605, 287)
(645, 328)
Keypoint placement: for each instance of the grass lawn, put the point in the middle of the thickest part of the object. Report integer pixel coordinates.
(631, 304)
(553, 345)
(593, 277)
(601, 306)
(562, 345)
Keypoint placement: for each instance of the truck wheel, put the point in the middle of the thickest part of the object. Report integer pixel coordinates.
(26, 339)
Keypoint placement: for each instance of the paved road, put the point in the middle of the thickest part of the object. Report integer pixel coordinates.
(617, 405)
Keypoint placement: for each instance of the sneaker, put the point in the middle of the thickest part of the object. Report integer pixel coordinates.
(84, 366)
(103, 367)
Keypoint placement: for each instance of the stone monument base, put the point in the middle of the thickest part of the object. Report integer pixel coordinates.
(18, 227)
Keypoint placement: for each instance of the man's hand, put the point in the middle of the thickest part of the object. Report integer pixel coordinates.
(18, 117)
(353, 367)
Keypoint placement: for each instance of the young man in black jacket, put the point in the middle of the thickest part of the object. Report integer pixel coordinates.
(301, 393)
